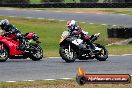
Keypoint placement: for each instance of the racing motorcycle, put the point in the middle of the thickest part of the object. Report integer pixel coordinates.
(9, 47)
(72, 48)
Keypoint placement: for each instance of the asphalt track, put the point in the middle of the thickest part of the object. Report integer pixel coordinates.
(112, 19)
(55, 68)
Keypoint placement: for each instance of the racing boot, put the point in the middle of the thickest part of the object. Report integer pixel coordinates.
(21, 47)
(94, 48)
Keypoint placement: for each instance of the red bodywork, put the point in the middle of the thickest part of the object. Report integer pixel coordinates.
(11, 44)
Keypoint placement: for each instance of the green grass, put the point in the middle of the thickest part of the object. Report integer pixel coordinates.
(35, 1)
(60, 84)
(35, 84)
(119, 10)
(50, 31)
(120, 49)
(72, 1)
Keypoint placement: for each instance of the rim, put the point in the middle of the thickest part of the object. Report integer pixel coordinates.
(38, 53)
(102, 52)
(3, 54)
(69, 54)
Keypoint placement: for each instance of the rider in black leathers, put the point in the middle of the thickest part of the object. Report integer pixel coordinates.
(9, 29)
(74, 29)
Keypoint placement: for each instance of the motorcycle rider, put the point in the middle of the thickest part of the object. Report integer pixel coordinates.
(9, 29)
(74, 29)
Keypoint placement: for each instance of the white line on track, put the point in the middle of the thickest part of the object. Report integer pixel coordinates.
(126, 54)
(41, 18)
(45, 80)
(78, 12)
(58, 11)
(12, 16)
(114, 25)
(83, 22)
(103, 24)
(51, 19)
(48, 79)
(99, 13)
(66, 78)
(28, 80)
(123, 14)
(91, 23)
(42, 80)
(62, 20)
(11, 81)
(9, 9)
(37, 10)
(29, 17)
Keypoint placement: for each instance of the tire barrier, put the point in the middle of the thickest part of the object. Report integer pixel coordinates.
(119, 32)
(70, 5)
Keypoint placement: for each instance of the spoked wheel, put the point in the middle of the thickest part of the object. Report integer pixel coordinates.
(3, 54)
(37, 54)
(68, 54)
(101, 55)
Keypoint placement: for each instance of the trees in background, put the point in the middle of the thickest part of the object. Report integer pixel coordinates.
(14, 1)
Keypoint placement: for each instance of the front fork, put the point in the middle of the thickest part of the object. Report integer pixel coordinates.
(69, 48)
(2, 54)
(1, 47)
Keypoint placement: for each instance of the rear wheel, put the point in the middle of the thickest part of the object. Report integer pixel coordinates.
(68, 54)
(3, 54)
(37, 54)
(101, 55)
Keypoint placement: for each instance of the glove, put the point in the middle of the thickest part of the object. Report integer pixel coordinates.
(19, 35)
(6, 33)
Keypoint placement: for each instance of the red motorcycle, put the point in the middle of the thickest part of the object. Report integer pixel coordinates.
(8, 47)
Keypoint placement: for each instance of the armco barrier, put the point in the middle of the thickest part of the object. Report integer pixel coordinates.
(70, 5)
(119, 32)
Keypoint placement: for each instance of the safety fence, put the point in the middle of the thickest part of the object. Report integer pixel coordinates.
(119, 32)
(70, 5)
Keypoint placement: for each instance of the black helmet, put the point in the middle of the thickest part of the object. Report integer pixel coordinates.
(4, 23)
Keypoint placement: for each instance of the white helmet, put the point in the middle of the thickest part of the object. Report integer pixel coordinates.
(71, 24)
(4, 23)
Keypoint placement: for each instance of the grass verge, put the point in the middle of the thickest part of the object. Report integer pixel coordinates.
(35, 1)
(49, 32)
(60, 84)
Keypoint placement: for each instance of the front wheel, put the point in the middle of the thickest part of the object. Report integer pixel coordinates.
(68, 54)
(37, 53)
(101, 55)
(3, 54)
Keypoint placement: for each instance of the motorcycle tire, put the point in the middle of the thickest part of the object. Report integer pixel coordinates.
(64, 57)
(105, 53)
(81, 80)
(35, 57)
(5, 53)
